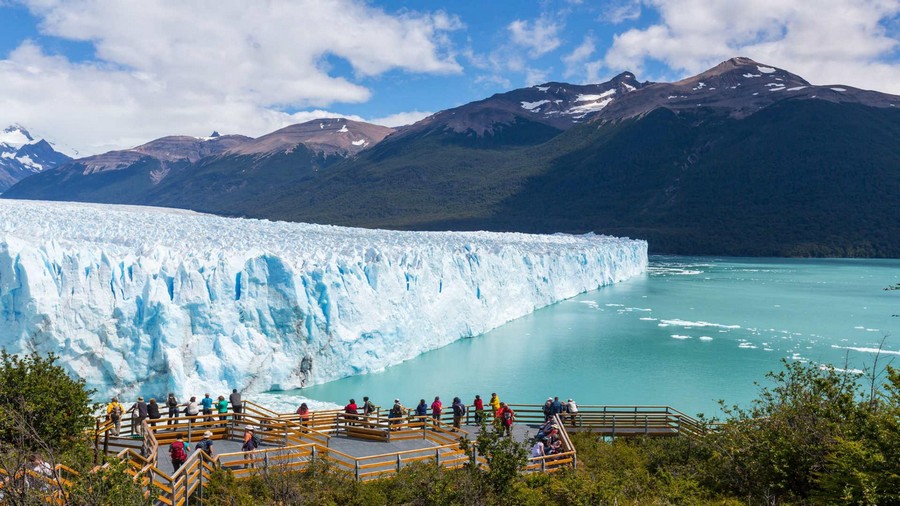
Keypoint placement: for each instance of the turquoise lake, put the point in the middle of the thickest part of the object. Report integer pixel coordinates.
(687, 333)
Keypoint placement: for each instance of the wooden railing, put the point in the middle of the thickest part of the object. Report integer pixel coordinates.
(301, 441)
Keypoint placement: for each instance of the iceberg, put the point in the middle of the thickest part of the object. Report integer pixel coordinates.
(140, 300)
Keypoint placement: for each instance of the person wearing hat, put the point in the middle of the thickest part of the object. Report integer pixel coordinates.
(206, 443)
(548, 409)
(250, 443)
(139, 410)
(396, 413)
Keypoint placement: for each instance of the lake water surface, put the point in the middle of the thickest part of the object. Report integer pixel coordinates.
(689, 332)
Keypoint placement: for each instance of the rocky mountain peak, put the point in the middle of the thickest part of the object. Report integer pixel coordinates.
(329, 136)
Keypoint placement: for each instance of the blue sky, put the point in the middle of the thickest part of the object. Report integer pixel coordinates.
(103, 74)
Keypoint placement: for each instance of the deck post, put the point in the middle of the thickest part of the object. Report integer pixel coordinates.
(437, 456)
(356, 466)
(187, 490)
(285, 433)
(266, 460)
(313, 457)
(475, 456)
(543, 465)
(646, 424)
(614, 426)
(399, 463)
(189, 429)
(96, 440)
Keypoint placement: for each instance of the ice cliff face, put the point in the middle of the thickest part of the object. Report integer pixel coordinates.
(146, 300)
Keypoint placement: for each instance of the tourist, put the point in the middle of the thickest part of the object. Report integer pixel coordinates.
(43, 476)
(479, 410)
(543, 429)
(207, 404)
(572, 409)
(422, 410)
(191, 408)
(222, 408)
(303, 411)
(557, 406)
(138, 415)
(251, 443)
(350, 412)
(547, 409)
(436, 408)
(507, 416)
(368, 408)
(236, 405)
(178, 452)
(114, 412)
(459, 410)
(172, 404)
(206, 443)
(538, 449)
(153, 412)
(396, 413)
(495, 405)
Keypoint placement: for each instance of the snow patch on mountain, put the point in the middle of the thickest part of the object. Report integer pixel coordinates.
(15, 136)
(765, 70)
(145, 300)
(531, 106)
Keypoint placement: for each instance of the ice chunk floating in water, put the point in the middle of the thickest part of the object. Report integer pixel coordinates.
(152, 300)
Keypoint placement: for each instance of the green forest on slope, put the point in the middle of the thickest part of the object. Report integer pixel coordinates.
(799, 178)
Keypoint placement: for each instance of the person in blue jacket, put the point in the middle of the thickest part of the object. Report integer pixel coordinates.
(422, 408)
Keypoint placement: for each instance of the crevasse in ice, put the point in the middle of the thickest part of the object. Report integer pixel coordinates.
(148, 300)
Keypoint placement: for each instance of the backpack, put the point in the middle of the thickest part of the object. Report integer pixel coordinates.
(115, 414)
(396, 411)
(205, 445)
(255, 441)
(459, 409)
(507, 417)
(368, 408)
(177, 451)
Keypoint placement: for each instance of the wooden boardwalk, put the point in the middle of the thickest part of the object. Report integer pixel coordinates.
(364, 447)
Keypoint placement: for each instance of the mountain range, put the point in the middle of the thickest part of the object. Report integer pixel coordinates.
(743, 159)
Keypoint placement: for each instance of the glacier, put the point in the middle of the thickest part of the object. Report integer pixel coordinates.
(140, 300)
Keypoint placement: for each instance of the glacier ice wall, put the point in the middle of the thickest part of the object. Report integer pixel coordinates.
(148, 300)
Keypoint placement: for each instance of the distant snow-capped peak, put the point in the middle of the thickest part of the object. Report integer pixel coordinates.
(15, 136)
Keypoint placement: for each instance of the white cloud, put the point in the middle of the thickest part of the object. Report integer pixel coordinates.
(826, 42)
(577, 61)
(539, 36)
(400, 118)
(190, 67)
(621, 11)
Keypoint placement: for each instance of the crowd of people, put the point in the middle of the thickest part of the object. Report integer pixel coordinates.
(150, 410)
(546, 442)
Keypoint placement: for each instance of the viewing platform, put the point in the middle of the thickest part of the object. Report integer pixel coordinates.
(363, 447)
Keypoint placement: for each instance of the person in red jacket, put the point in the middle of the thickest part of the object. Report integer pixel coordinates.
(436, 408)
(479, 409)
(351, 411)
(507, 415)
(303, 411)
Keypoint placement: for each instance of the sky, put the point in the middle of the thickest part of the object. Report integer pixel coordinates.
(96, 75)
